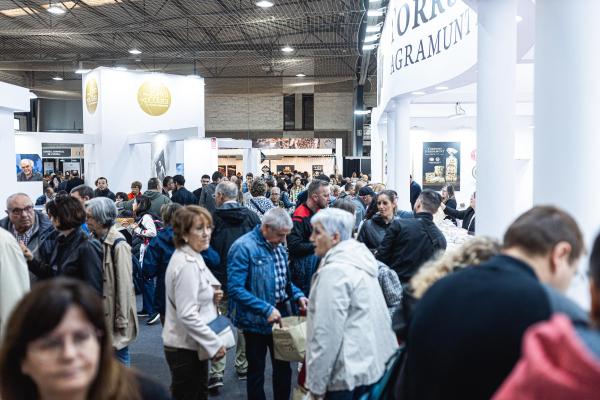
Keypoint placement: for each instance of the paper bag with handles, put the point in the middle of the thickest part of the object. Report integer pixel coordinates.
(289, 341)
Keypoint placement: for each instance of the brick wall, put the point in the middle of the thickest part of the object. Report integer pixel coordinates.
(238, 113)
(333, 111)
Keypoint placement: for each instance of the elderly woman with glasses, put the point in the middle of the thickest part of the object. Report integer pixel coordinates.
(192, 297)
(57, 346)
(349, 337)
(467, 216)
(76, 254)
(118, 297)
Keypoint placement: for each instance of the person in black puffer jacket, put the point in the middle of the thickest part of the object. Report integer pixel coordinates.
(76, 254)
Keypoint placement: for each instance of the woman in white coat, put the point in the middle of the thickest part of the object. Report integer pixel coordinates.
(192, 295)
(349, 337)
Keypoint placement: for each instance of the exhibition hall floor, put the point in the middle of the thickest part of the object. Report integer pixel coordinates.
(147, 355)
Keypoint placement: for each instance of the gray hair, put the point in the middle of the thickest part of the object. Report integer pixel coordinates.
(229, 190)
(335, 220)
(15, 195)
(103, 210)
(28, 161)
(276, 190)
(278, 219)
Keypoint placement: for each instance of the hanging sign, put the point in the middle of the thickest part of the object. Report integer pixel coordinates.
(309, 143)
(154, 98)
(56, 153)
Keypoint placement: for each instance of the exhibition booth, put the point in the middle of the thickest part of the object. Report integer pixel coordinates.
(491, 141)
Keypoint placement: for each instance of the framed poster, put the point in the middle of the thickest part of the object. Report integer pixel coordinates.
(231, 170)
(29, 168)
(159, 159)
(441, 165)
(317, 168)
(223, 169)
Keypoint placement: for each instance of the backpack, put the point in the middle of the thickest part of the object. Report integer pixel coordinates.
(136, 267)
(158, 223)
(383, 389)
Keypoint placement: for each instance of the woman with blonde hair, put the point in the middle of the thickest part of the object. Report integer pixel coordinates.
(378, 187)
(192, 297)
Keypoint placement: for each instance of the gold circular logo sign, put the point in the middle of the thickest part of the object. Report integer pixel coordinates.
(91, 96)
(154, 98)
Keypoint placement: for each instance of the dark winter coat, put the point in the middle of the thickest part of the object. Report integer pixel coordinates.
(467, 216)
(372, 231)
(415, 192)
(105, 193)
(77, 255)
(407, 245)
(184, 197)
(303, 262)
(231, 222)
(206, 199)
(156, 260)
(451, 204)
(73, 183)
(44, 237)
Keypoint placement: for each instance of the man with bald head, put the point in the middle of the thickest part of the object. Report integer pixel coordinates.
(231, 221)
(31, 227)
(28, 174)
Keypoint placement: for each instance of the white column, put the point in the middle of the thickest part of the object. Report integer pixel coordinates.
(401, 149)
(7, 156)
(391, 154)
(567, 100)
(251, 161)
(496, 97)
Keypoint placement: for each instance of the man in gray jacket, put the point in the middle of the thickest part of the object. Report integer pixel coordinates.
(157, 199)
(207, 199)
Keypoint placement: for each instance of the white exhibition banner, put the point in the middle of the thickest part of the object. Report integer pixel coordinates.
(424, 43)
(117, 104)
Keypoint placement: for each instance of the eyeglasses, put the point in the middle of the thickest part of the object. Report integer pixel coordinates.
(48, 350)
(19, 211)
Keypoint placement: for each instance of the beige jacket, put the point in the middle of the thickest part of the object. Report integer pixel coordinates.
(14, 276)
(190, 289)
(118, 296)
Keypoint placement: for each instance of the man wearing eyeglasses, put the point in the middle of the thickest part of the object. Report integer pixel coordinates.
(31, 227)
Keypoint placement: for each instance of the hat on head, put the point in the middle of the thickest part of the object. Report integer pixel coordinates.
(366, 191)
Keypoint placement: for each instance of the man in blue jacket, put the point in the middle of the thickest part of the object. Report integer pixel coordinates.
(260, 294)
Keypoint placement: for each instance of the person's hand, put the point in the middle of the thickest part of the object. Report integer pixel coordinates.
(317, 396)
(275, 317)
(125, 224)
(303, 303)
(218, 296)
(134, 226)
(26, 252)
(220, 354)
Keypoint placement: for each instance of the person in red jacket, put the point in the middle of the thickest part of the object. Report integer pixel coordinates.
(560, 360)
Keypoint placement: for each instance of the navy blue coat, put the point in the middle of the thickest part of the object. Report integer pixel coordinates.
(156, 260)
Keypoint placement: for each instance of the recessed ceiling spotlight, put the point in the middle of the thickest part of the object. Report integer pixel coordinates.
(58, 78)
(519, 19)
(419, 93)
(287, 49)
(264, 3)
(56, 10)
(300, 75)
(441, 88)
(135, 51)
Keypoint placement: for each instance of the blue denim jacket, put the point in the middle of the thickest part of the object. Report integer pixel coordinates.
(251, 282)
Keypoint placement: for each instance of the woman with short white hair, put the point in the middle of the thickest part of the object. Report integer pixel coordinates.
(349, 337)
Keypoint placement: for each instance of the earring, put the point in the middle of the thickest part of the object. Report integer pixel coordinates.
(186, 240)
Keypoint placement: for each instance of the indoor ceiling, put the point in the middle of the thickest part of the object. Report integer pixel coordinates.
(234, 44)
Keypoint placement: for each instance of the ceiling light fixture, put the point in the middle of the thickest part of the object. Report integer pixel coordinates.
(58, 78)
(459, 113)
(56, 10)
(375, 13)
(135, 51)
(374, 28)
(287, 49)
(300, 75)
(372, 38)
(519, 19)
(368, 47)
(419, 93)
(362, 112)
(264, 4)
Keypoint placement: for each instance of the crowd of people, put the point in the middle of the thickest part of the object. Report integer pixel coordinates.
(376, 284)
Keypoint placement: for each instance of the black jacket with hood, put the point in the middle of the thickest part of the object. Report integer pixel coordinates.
(231, 221)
